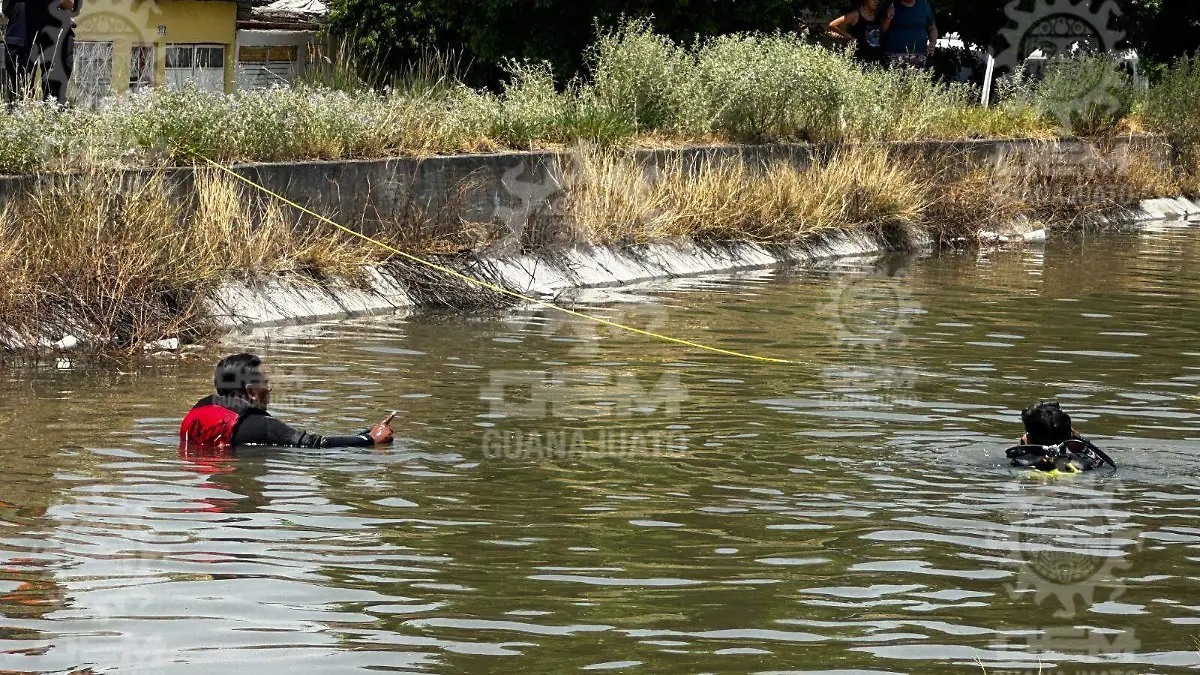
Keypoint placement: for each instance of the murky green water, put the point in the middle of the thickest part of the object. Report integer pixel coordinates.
(563, 498)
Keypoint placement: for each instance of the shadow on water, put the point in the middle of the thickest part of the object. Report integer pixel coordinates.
(562, 497)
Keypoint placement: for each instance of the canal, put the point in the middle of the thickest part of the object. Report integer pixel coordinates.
(564, 497)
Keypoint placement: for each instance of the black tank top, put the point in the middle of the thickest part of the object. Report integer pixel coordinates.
(868, 37)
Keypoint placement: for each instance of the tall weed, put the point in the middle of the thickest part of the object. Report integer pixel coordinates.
(647, 79)
(118, 259)
(1088, 93)
(1172, 106)
(615, 199)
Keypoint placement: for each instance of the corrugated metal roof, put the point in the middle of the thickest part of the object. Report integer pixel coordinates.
(293, 14)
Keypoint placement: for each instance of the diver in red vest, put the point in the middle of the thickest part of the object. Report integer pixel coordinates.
(237, 415)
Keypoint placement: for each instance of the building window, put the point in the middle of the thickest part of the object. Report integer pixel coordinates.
(202, 64)
(91, 80)
(263, 66)
(141, 68)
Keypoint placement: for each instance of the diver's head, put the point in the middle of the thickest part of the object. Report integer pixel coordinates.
(1046, 424)
(244, 376)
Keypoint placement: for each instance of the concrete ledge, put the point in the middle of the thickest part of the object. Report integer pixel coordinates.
(281, 300)
(433, 195)
(521, 191)
(1170, 209)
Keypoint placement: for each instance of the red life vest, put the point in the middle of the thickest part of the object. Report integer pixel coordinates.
(209, 427)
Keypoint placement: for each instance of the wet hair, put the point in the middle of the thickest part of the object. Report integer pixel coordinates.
(234, 374)
(1046, 423)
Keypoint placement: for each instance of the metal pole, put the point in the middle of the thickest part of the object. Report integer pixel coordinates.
(987, 81)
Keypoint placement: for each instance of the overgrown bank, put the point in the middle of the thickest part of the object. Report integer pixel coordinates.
(641, 89)
(119, 259)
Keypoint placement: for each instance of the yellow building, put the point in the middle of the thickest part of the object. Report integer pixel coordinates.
(124, 45)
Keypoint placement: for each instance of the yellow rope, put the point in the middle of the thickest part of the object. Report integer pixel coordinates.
(484, 284)
(504, 291)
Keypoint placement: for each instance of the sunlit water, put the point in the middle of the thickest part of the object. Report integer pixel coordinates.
(567, 498)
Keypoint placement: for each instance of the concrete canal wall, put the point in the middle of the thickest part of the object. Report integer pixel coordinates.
(519, 190)
(516, 190)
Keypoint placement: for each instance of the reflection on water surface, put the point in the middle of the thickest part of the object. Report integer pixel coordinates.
(565, 498)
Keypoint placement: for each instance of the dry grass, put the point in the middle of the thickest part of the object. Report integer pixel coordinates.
(117, 260)
(235, 232)
(973, 201)
(1189, 174)
(614, 199)
(1060, 195)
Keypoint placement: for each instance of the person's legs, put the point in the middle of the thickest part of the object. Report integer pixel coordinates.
(38, 57)
(14, 61)
(51, 60)
(18, 73)
(58, 77)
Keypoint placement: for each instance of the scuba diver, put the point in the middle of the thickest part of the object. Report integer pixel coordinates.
(237, 415)
(1051, 444)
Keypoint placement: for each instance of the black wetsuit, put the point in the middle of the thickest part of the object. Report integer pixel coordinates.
(257, 427)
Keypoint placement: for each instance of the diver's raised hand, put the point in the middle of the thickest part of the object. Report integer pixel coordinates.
(382, 433)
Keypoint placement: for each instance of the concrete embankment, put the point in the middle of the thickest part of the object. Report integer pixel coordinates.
(283, 300)
(532, 247)
(520, 193)
(522, 190)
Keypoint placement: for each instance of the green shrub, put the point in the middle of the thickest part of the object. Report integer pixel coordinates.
(1173, 105)
(647, 79)
(161, 120)
(531, 109)
(772, 88)
(35, 135)
(1088, 94)
(748, 87)
(530, 105)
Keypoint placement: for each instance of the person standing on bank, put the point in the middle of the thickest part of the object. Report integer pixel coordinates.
(865, 26)
(50, 35)
(16, 50)
(910, 33)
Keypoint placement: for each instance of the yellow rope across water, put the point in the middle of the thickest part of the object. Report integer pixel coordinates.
(480, 282)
